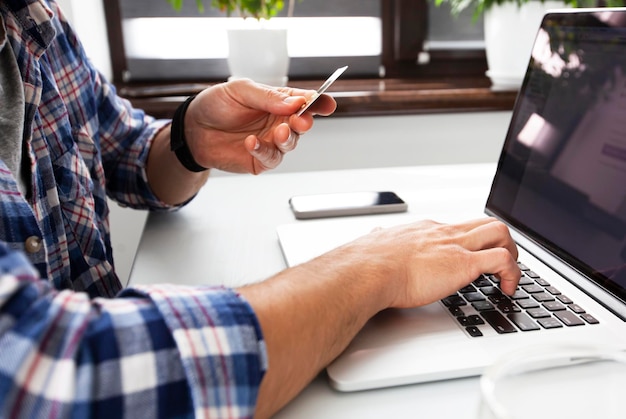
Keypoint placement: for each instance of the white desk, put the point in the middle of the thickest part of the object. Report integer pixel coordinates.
(227, 236)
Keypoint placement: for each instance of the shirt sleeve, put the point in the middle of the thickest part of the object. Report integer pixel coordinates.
(153, 352)
(123, 134)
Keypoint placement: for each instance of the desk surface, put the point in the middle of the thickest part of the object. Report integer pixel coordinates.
(227, 235)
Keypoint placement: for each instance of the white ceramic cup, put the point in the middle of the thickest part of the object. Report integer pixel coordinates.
(555, 381)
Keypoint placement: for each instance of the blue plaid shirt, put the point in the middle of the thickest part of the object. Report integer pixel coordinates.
(72, 342)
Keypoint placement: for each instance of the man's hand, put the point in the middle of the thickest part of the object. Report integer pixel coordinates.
(426, 261)
(244, 127)
(311, 312)
(240, 127)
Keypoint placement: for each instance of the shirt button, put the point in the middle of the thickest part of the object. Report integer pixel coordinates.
(33, 244)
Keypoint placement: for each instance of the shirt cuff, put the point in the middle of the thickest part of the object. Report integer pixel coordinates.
(220, 343)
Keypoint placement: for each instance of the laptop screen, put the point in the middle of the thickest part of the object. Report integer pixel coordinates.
(561, 177)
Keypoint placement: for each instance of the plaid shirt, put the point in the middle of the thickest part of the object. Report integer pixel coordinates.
(67, 347)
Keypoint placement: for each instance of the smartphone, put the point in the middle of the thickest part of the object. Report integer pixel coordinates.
(346, 203)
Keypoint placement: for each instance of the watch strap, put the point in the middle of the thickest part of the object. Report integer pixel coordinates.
(178, 142)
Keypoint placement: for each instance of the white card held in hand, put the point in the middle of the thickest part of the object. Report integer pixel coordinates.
(322, 89)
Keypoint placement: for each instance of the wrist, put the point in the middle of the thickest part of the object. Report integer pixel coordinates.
(178, 141)
(367, 282)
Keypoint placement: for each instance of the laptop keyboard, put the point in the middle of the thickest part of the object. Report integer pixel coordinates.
(536, 305)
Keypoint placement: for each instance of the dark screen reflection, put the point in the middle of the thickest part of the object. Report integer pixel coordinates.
(562, 174)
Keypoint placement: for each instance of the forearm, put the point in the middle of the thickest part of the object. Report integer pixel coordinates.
(308, 315)
(168, 178)
(101, 353)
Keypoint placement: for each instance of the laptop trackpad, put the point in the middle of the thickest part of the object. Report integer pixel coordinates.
(395, 326)
(392, 348)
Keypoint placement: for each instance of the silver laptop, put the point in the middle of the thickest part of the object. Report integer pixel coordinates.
(560, 185)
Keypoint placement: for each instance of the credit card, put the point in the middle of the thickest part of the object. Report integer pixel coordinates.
(322, 89)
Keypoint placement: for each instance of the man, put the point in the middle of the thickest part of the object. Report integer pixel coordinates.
(74, 344)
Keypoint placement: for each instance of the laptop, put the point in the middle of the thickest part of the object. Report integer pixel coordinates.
(560, 185)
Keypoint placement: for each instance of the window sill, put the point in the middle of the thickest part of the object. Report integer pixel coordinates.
(355, 97)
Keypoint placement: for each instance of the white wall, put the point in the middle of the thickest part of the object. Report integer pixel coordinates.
(403, 140)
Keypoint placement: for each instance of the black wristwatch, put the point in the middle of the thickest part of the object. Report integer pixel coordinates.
(178, 143)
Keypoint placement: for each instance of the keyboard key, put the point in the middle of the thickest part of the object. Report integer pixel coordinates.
(482, 305)
(553, 306)
(532, 289)
(564, 299)
(453, 300)
(499, 298)
(542, 297)
(456, 311)
(524, 280)
(542, 282)
(527, 303)
(481, 281)
(550, 323)
(508, 307)
(531, 274)
(467, 288)
(473, 320)
(474, 296)
(498, 322)
(552, 290)
(523, 322)
(576, 308)
(463, 321)
(490, 290)
(589, 318)
(522, 267)
(537, 313)
(494, 279)
(474, 331)
(519, 295)
(568, 318)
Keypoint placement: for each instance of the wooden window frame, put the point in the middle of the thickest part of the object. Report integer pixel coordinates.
(451, 80)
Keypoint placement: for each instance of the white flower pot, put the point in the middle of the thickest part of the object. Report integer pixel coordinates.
(510, 32)
(259, 54)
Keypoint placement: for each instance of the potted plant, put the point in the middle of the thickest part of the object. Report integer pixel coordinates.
(259, 9)
(256, 49)
(510, 27)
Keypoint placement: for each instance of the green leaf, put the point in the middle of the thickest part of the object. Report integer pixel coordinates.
(259, 9)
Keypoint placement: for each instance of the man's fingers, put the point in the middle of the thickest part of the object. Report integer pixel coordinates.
(488, 235)
(496, 251)
(266, 157)
(292, 138)
(500, 262)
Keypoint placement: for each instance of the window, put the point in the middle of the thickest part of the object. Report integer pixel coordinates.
(447, 32)
(160, 43)
(391, 38)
